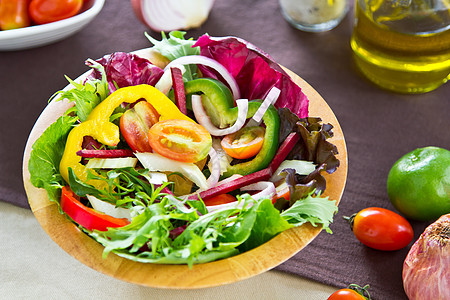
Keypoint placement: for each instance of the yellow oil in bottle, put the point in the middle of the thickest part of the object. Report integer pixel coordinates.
(393, 52)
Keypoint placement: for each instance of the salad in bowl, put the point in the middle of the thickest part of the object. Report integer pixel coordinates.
(188, 152)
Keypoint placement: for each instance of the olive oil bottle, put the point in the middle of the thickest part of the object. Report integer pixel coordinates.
(403, 45)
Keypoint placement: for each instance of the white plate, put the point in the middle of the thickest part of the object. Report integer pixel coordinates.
(40, 35)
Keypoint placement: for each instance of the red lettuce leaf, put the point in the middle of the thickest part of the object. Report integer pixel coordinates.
(313, 146)
(255, 72)
(127, 69)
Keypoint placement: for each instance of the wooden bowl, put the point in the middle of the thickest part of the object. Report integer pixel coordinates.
(229, 270)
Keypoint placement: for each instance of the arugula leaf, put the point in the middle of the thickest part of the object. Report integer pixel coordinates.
(121, 183)
(315, 210)
(176, 46)
(215, 235)
(88, 95)
(46, 154)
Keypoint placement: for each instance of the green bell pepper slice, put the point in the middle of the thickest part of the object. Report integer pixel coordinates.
(219, 105)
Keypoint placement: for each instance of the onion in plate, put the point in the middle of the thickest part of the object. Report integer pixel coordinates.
(167, 15)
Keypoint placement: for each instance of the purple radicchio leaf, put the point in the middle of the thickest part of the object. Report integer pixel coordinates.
(255, 72)
(127, 69)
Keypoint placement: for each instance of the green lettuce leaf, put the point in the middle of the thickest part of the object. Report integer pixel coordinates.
(315, 210)
(47, 151)
(268, 223)
(46, 154)
(215, 235)
(176, 46)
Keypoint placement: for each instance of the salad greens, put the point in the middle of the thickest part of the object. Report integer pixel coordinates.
(175, 47)
(170, 229)
(46, 154)
(214, 235)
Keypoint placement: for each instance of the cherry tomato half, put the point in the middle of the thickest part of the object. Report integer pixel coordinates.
(180, 140)
(244, 143)
(135, 124)
(47, 11)
(85, 216)
(220, 199)
(381, 229)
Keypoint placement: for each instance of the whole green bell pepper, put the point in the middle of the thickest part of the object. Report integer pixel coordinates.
(219, 105)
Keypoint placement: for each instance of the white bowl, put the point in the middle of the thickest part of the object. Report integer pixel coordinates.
(39, 35)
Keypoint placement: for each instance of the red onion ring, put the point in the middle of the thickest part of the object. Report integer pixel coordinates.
(209, 62)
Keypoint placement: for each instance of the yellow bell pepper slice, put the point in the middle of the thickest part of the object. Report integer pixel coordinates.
(98, 126)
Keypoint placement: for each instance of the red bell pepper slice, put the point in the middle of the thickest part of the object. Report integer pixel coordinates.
(85, 216)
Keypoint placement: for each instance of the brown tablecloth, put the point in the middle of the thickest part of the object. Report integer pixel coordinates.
(379, 126)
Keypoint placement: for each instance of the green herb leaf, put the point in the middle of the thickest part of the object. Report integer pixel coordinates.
(88, 95)
(315, 210)
(177, 46)
(46, 155)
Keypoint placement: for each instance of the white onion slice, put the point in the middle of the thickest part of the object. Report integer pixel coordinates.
(156, 162)
(165, 83)
(231, 178)
(271, 98)
(168, 15)
(156, 178)
(111, 163)
(266, 188)
(301, 167)
(204, 120)
(226, 205)
(214, 167)
(108, 208)
(209, 62)
(224, 159)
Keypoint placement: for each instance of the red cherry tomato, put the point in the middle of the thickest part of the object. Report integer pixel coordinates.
(47, 11)
(85, 216)
(353, 292)
(220, 199)
(244, 143)
(346, 294)
(381, 229)
(180, 140)
(14, 14)
(135, 124)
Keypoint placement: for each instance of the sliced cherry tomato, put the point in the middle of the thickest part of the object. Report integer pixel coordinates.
(381, 229)
(244, 143)
(47, 11)
(85, 216)
(353, 292)
(220, 199)
(135, 124)
(180, 140)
